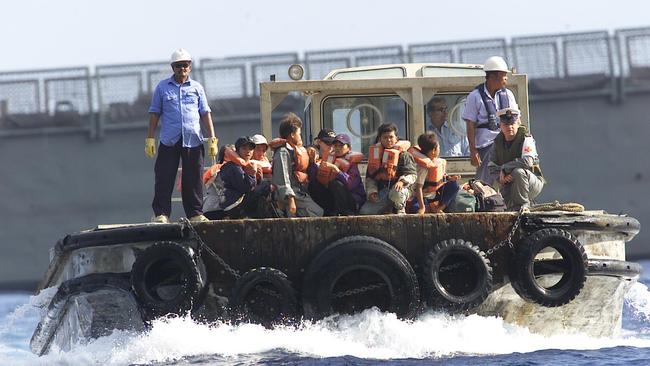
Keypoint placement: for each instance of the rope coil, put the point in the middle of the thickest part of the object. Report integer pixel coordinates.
(557, 206)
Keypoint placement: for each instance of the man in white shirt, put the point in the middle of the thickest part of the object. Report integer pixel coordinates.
(480, 114)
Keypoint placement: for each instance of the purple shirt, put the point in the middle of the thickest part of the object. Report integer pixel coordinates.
(351, 179)
(180, 108)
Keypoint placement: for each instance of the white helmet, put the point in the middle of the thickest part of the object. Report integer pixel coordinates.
(181, 55)
(495, 63)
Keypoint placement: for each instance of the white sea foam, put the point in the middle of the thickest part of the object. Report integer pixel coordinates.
(638, 298)
(371, 334)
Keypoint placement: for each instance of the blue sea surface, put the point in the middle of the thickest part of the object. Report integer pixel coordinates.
(369, 338)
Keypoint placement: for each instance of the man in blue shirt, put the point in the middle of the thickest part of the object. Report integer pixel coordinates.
(480, 114)
(450, 142)
(182, 104)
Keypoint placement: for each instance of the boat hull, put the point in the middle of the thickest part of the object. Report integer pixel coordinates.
(94, 270)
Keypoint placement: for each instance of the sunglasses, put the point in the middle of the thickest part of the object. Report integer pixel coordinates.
(183, 65)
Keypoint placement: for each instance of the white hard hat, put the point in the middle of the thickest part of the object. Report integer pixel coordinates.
(181, 55)
(495, 63)
(259, 139)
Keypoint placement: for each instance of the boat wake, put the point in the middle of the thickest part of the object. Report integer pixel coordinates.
(369, 335)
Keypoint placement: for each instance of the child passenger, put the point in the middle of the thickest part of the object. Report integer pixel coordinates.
(434, 190)
(391, 171)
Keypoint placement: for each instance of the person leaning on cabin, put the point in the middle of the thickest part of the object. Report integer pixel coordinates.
(237, 189)
(391, 172)
(335, 183)
(290, 162)
(515, 161)
(480, 114)
(181, 104)
(433, 190)
(451, 143)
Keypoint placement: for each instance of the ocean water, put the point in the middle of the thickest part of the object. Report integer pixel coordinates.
(369, 338)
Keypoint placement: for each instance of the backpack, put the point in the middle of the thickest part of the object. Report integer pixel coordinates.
(487, 199)
(464, 202)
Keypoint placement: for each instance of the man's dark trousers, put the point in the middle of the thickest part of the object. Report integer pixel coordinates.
(192, 186)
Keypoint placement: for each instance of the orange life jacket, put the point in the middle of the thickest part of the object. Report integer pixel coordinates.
(436, 169)
(382, 163)
(209, 174)
(326, 174)
(300, 161)
(264, 164)
(229, 155)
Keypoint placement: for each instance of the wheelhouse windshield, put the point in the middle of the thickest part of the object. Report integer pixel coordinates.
(359, 117)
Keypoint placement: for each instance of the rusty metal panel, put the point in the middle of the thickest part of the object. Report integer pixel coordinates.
(280, 248)
(291, 244)
(376, 226)
(414, 226)
(415, 238)
(225, 239)
(254, 240)
(398, 230)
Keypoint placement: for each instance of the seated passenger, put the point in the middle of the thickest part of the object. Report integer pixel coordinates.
(433, 190)
(313, 153)
(390, 174)
(335, 184)
(235, 192)
(290, 162)
(515, 161)
(451, 143)
(259, 155)
(211, 173)
(324, 141)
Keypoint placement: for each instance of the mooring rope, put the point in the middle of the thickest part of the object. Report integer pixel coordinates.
(557, 206)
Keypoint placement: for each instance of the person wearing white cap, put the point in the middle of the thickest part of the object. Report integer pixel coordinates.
(261, 146)
(480, 114)
(181, 104)
(259, 155)
(515, 161)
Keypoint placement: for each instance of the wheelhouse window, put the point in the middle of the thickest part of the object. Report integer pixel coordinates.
(437, 71)
(383, 73)
(359, 117)
(443, 116)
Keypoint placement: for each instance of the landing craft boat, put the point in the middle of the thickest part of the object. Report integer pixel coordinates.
(551, 271)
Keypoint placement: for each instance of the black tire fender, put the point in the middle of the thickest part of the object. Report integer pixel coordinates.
(166, 278)
(573, 262)
(271, 289)
(457, 275)
(375, 259)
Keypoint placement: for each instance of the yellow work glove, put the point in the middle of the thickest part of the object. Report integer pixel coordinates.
(212, 146)
(150, 147)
